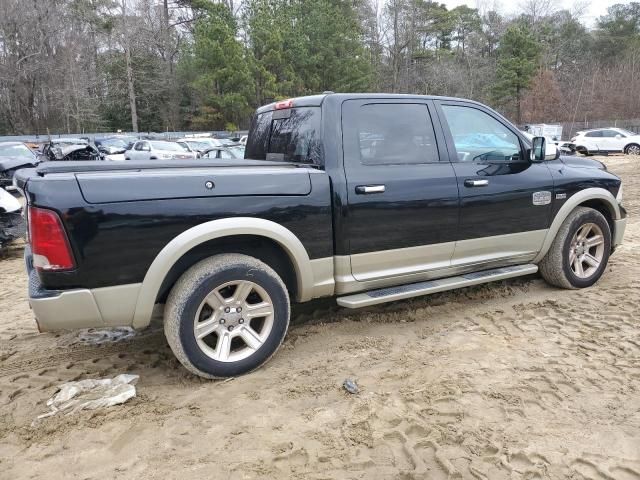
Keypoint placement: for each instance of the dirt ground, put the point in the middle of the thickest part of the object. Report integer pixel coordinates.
(513, 379)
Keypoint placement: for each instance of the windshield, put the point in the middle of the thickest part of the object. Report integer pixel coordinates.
(16, 150)
(291, 135)
(173, 147)
(627, 132)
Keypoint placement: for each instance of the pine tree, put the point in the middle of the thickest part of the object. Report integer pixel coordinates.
(518, 56)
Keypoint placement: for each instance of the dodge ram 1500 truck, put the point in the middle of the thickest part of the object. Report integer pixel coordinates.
(369, 198)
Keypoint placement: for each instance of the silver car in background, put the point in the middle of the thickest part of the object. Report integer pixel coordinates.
(157, 150)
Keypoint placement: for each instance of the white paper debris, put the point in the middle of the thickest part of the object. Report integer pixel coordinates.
(94, 336)
(91, 394)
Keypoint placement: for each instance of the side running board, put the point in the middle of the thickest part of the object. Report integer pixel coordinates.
(383, 295)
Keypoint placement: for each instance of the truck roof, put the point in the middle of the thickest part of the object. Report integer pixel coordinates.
(317, 100)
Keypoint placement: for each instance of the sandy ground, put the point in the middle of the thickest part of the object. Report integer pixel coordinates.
(508, 380)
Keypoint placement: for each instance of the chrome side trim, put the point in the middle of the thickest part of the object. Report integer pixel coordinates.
(346, 283)
(618, 231)
(484, 249)
(401, 261)
(184, 242)
(572, 202)
(425, 288)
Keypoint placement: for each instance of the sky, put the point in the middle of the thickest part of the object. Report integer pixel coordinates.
(592, 8)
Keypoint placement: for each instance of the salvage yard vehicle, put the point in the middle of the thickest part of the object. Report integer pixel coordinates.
(12, 225)
(158, 150)
(221, 152)
(113, 148)
(369, 198)
(70, 149)
(607, 140)
(200, 144)
(14, 156)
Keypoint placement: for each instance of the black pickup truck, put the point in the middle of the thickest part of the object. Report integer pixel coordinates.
(369, 198)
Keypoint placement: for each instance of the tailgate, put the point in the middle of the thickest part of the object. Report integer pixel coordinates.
(126, 186)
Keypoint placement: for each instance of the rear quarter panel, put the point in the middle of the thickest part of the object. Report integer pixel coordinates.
(116, 242)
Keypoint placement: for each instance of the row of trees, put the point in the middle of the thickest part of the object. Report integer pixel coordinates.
(155, 65)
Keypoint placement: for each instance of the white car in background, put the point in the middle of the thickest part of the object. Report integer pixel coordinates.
(200, 144)
(607, 140)
(158, 150)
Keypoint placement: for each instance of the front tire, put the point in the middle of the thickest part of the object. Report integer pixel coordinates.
(579, 254)
(633, 149)
(226, 316)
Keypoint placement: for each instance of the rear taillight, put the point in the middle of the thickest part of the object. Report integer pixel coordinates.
(49, 243)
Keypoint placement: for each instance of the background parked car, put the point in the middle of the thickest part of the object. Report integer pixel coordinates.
(607, 140)
(13, 156)
(12, 224)
(201, 144)
(189, 148)
(221, 152)
(157, 150)
(70, 149)
(113, 148)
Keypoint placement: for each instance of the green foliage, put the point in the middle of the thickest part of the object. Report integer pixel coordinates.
(306, 46)
(224, 82)
(518, 56)
(618, 31)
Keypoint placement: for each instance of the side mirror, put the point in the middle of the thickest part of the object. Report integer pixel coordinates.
(618, 136)
(541, 150)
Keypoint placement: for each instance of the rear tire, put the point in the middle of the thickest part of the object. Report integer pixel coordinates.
(579, 254)
(226, 316)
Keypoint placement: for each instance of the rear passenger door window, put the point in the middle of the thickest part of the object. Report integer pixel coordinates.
(391, 134)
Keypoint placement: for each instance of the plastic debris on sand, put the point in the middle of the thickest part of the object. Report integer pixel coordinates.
(91, 394)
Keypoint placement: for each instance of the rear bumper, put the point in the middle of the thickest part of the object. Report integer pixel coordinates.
(79, 308)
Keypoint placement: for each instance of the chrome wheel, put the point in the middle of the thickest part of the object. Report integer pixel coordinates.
(586, 251)
(234, 321)
(633, 150)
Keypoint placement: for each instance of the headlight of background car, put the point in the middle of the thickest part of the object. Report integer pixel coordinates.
(166, 156)
(619, 195)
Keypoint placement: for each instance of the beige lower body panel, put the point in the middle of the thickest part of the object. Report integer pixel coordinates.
(465, 256)
(618, 231)
(323, 280)
(84, 308)
(401, 261)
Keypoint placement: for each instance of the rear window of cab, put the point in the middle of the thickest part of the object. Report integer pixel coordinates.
(288, 135)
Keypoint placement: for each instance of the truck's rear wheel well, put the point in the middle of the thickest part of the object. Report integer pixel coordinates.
(603, 208)
(262, 248)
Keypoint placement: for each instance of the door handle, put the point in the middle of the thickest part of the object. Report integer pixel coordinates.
(476, 183)
(367, 189)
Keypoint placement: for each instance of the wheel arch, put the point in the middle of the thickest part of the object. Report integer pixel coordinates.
(599, 199)
(168, 263)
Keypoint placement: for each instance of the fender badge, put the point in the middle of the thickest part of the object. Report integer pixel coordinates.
(561, 196)
(541, 198)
